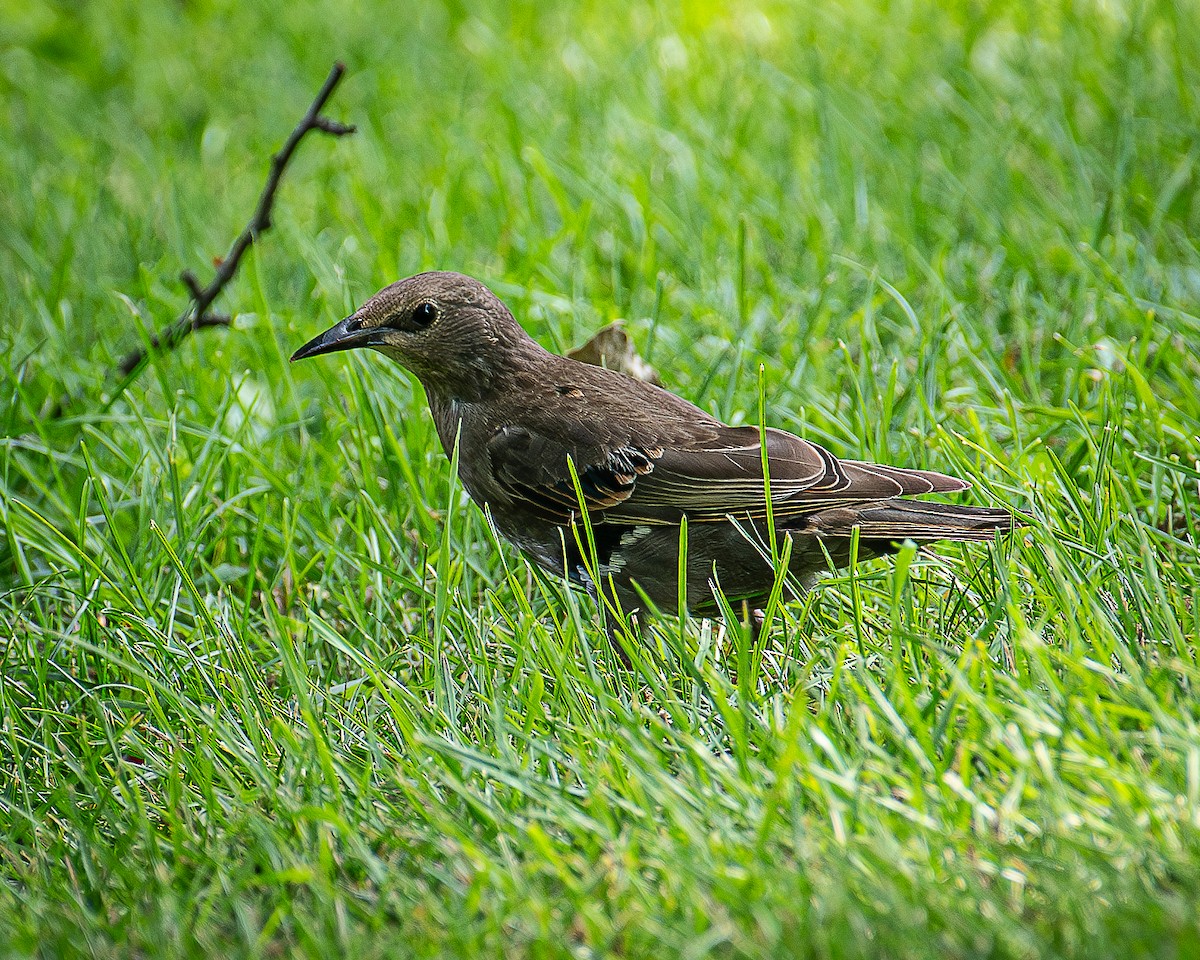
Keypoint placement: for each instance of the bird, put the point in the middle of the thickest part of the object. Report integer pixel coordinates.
(595, 475)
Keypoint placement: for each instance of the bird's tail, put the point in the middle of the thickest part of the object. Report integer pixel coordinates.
(897, 520)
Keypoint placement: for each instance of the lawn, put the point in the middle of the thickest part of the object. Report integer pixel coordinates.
(268, 684)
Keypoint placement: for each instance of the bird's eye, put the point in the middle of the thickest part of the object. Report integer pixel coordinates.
(424, 313)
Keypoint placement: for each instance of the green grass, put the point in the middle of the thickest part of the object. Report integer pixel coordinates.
(268, 686)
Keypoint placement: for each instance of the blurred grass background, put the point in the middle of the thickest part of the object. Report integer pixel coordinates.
(268, 686)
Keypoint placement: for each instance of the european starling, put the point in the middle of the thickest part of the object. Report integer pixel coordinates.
(643, 460)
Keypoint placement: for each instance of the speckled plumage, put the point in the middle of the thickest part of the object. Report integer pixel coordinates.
(644, 459)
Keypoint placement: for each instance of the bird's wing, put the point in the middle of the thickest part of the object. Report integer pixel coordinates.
(722, 478)
(535, 470)
(705, 478)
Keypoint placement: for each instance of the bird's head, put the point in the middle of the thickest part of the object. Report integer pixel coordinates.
(450, 330)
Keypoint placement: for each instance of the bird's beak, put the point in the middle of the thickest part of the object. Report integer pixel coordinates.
(344, 335)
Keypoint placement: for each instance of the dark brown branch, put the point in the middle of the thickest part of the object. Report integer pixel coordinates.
(170, 338)
(189, 280)
(198, 315)
(333, 127)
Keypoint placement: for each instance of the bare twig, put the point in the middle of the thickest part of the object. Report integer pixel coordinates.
(170, 338)
(198, 315)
